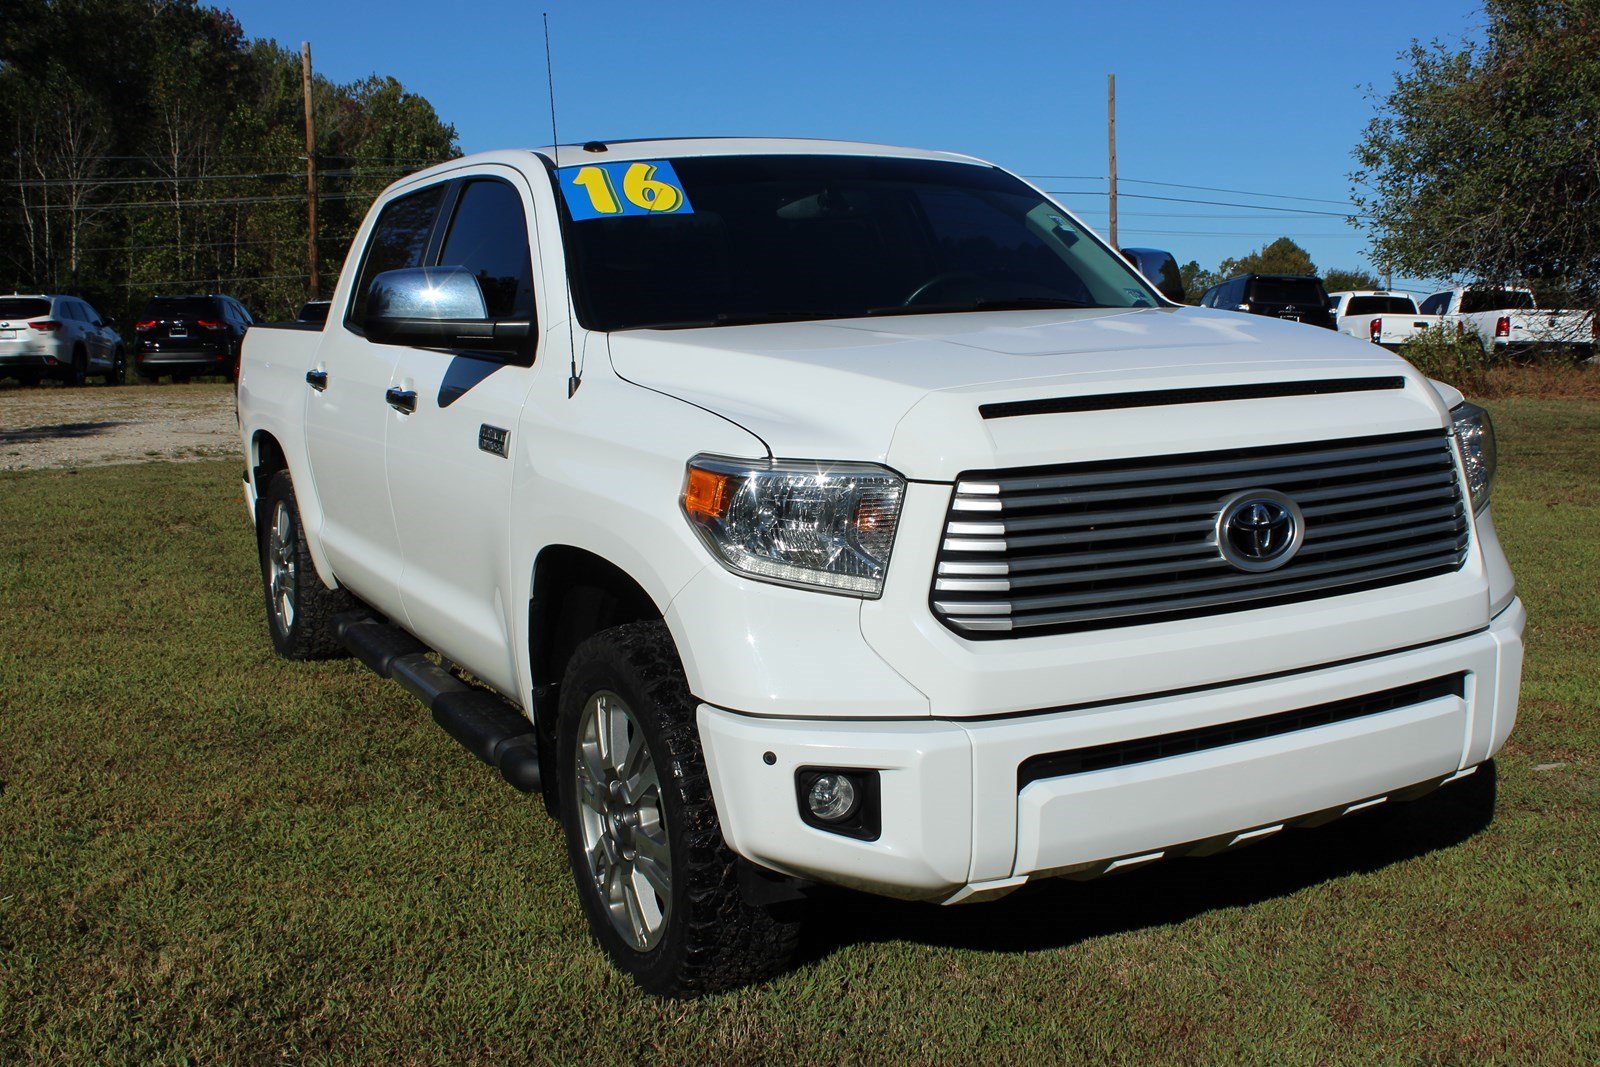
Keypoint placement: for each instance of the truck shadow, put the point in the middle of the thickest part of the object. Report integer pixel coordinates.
(59, 432)
(1059, 913)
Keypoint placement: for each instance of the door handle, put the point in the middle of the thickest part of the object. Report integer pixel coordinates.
(402, 400)
(317, 379)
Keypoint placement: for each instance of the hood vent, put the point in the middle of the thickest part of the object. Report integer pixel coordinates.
(1207, 395)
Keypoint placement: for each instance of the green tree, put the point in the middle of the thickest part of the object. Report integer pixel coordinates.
(1282, 256)
(176, 163)
(1339, 281)
(1196, 280)
(1483, 162)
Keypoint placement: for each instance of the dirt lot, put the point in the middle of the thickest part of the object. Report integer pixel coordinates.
(94, 426)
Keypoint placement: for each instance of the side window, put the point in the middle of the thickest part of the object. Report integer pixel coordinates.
(399, 240)
(1434, 305)
(489, 237)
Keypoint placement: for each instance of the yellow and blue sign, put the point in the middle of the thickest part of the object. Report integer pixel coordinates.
(614, 190)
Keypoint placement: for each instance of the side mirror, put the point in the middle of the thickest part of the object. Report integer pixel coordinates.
(440, 307)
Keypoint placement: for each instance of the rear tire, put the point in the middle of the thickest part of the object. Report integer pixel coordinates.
(657, 882)
(119, 368)
(300, 609)
(78, 374)
(27, 378)
(148, 379)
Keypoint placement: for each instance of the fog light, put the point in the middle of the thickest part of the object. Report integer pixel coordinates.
(832, 797)
(844, 802)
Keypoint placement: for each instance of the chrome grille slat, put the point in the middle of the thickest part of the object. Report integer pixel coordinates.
(1116, 543)
(1185, 471)
(1284, 479)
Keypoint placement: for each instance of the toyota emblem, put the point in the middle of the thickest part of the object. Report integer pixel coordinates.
(1259, 530)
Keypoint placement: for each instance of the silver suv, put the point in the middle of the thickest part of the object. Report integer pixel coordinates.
(57, 337)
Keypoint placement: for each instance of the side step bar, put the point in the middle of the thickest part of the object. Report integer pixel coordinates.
(485, 724)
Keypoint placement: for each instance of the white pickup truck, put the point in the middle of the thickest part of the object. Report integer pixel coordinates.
(1380, 316)
(1509, 320)
(796, 512)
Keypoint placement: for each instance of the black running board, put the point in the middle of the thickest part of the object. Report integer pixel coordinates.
(484, 723)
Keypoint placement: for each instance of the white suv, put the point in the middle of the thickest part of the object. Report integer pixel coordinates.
(57, 337)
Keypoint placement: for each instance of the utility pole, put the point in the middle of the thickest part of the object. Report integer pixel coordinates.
(311, 168)
(1111, 145)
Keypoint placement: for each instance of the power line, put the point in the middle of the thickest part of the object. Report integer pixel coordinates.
(49, 183)
(208, 279)
(1210, 203)
(1180, 185)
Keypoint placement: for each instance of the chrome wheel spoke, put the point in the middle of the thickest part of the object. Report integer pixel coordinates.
(617, 793)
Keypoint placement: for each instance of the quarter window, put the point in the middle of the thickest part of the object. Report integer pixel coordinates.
(489, 237)
(399, 240)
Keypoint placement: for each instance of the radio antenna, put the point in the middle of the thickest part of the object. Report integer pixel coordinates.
(573, 380)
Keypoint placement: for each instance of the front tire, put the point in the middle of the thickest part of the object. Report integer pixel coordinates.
(300, 609)
(657, 882)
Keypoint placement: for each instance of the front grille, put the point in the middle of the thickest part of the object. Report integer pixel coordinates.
(1091, 545)
(1186, 742)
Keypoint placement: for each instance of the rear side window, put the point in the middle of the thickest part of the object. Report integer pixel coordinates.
(23, 307)
(1435, 304)
(1287, 291)
(1476, 300)
(399, 240)
(1381, 305)
(489, 237)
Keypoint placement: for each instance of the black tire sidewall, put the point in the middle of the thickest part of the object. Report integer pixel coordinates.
(279, 489)
(604, 669)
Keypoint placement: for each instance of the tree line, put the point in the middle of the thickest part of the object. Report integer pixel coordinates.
(156, 149)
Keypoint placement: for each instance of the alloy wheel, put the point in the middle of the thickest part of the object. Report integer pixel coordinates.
(623, 821)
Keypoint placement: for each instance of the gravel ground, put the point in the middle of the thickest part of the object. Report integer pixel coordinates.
(95, 426)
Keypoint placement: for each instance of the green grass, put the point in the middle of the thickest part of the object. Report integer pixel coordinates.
(211, 855)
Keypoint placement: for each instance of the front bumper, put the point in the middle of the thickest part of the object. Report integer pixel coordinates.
(956, 826)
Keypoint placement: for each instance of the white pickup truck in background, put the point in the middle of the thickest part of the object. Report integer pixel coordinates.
(795, 512)
(1509, 320)
(1381, 316)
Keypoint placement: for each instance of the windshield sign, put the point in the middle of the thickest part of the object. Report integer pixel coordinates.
(648, 188)
(730, 240)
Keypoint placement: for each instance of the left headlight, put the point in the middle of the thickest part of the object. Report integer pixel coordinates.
(1474, 434)
(819, 525)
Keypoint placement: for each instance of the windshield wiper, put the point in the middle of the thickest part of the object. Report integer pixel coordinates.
(1016, 303)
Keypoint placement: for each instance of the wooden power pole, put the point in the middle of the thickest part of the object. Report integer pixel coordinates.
(1111, 145)
(311, 169)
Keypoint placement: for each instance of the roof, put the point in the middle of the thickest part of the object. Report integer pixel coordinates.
(567, 155)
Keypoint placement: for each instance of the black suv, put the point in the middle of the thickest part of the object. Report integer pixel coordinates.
(1297, 297)
(188, 335)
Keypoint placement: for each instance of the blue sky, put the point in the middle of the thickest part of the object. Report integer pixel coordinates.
(1261, 98)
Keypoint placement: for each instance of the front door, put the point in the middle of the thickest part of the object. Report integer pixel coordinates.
(451, 459)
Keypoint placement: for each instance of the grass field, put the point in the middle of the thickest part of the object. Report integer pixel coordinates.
(210, 855)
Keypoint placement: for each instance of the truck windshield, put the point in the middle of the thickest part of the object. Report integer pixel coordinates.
(791, 238)
(1476, 300)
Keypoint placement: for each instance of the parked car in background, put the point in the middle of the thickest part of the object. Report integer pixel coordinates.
(1295, 297)
(313, 311)
(1160, 269)
(188, 335)
(1381, 316)
(60, 337)
(1509, 320)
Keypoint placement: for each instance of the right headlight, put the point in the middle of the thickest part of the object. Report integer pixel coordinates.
(1474, 433)
(826, 526)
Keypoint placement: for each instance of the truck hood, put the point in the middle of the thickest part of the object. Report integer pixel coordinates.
(907, 391)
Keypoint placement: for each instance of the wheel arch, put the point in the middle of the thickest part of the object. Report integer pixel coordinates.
(575, 594)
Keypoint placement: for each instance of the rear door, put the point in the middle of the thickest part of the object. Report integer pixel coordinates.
(450, 461)
(348, 414)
